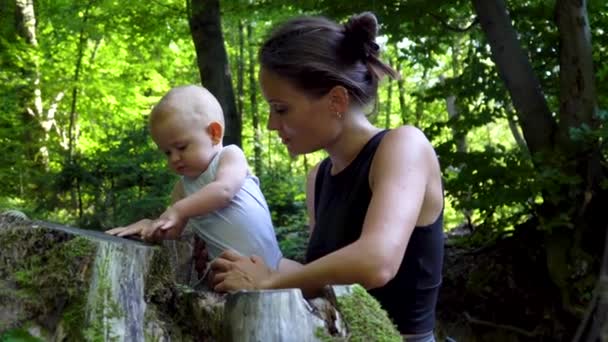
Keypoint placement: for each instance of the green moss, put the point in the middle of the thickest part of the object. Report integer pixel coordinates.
(18, 335)
(366, 320)
(44, 272)
(49, 272)
(322, 334)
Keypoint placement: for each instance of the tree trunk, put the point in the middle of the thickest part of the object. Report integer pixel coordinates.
(25, 27)
(574, 211)
(255, 116)
(73, 128)
(206, 30)
(519, 140)
(401, 91)
(389, 100)
(270, 316)
(578, 98)
(516, 71)
(240, 76)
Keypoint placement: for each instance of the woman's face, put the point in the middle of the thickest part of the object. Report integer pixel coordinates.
(304, 124)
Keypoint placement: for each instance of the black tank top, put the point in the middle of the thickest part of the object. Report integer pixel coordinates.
(341, 203)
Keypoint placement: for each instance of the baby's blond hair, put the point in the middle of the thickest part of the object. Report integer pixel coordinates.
(193, 103)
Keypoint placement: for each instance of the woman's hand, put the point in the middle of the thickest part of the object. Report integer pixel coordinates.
(232, 272)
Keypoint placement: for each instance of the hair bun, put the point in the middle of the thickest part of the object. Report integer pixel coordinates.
(360, 34)
(363, 26)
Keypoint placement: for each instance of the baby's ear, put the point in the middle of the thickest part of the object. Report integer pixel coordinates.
(216, 132)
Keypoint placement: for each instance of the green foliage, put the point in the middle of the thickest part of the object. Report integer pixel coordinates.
(111, 61)
(283, 192)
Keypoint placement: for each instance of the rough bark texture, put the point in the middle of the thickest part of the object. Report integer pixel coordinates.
(269, 316)
(206, 30)
(516, 71)
(253, 100)
(578, 98)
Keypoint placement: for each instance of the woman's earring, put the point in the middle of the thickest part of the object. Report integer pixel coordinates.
(339, 115)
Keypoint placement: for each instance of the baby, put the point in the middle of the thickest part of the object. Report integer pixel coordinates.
(216, 195)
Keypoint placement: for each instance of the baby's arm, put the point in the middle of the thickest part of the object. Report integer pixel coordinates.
(133, 229)
(231, 173)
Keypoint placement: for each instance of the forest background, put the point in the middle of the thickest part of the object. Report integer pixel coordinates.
(511, 94)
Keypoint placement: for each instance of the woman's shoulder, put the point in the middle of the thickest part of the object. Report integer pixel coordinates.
(405, 138)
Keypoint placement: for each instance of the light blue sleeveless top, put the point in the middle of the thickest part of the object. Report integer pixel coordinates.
(244, 225)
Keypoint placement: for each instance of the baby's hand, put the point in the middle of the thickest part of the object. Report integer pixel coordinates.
(136, 228)
(169, 220)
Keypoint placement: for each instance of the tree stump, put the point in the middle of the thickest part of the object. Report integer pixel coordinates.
(59, 283)
(270, 315)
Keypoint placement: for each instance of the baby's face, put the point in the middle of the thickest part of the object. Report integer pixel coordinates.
(186, 143)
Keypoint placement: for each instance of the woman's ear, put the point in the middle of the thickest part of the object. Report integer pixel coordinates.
(339, 100)
(216, 132)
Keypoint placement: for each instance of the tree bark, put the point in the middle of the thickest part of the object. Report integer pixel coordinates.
(25, 28)
(401, 91)
(240, 76)
(255, 116)
(272, 315)
(516, 71)
(578, 98)
(578, 95)
(206, 30)
(389, 100)
(519, 140)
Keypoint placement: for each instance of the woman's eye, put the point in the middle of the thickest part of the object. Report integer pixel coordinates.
(280, 110)
(182, 147)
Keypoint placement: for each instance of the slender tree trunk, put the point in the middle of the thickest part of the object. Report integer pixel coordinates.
(401, 91)
(73, 125)
(255, 116)
(578, 97)
(240, 76)
(206, 30)
(514, 128)
(25, 25)
(388, 108)
(516, 71)
(579, 108)
(39, 122)
(450, 101)
(419, 112)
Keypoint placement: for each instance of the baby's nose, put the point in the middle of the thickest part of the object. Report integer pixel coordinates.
(175, 157)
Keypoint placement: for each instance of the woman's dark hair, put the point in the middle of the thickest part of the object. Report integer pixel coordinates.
(316, 54)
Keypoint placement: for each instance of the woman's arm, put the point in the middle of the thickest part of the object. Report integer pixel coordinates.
(399, 176)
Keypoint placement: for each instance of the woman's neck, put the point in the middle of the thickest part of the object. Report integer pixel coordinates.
(356, 133)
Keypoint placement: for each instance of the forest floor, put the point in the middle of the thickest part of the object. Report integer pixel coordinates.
(500, 293)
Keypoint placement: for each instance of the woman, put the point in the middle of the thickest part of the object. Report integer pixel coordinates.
(376, 204)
